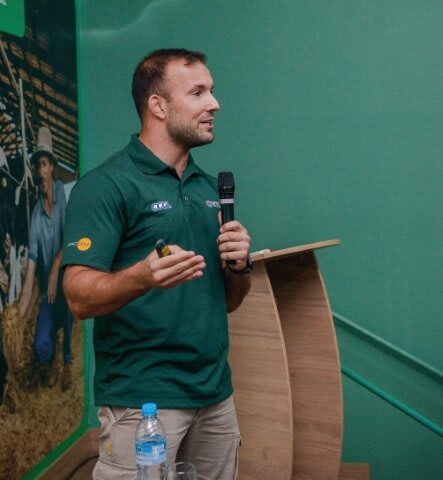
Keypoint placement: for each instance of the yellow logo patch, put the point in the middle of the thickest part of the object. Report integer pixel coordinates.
(84, 244)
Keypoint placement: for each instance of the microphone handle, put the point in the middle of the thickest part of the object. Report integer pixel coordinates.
(227, 211)
(227, 214)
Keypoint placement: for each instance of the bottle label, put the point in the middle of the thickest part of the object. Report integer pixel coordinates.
(150, 453)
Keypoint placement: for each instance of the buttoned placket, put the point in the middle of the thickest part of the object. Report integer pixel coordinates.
(185, 195)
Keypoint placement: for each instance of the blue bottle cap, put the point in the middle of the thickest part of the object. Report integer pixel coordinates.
(149, 409)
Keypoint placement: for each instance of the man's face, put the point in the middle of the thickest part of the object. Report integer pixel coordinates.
(191, 107)
(45, 170)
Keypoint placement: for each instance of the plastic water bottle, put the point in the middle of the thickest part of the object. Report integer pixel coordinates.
(150, 444)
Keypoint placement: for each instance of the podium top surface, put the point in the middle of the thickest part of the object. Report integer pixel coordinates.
(286, 252)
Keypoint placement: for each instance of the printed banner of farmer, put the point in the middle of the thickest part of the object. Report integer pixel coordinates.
(41, 367)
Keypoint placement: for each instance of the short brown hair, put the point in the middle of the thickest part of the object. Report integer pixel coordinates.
(150, 72)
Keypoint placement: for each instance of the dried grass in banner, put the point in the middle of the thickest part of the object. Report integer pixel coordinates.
(34, 418)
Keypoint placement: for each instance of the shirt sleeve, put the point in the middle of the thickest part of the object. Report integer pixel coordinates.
(95, 218)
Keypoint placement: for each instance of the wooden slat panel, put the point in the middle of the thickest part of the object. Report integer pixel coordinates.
(313, 364)
(261, 385)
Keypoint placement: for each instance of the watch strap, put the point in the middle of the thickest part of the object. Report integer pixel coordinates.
(247, 269)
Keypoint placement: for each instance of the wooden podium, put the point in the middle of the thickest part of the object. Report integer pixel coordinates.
(286, 370)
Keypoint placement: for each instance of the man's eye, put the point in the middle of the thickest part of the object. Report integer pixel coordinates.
(197, 93)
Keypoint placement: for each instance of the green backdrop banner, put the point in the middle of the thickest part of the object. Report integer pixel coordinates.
(12, 17)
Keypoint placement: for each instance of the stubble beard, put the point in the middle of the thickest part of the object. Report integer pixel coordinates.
(185, 135)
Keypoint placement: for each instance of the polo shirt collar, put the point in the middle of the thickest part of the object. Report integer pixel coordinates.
(143, 158)
(191, 169)
(148, 163)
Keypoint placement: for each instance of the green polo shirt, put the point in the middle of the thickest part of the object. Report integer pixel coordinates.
(168, 346)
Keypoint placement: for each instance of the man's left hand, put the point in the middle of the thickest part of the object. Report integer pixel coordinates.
(233, 243)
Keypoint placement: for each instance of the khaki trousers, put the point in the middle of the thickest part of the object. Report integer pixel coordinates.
(208, 437)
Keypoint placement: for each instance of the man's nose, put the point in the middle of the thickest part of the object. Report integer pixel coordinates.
(213, 104)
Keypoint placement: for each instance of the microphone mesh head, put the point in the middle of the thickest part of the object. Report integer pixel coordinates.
(225, 184)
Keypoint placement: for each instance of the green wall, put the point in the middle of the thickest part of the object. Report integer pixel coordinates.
(331, 120)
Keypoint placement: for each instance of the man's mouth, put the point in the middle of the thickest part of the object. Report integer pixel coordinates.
(209, 122)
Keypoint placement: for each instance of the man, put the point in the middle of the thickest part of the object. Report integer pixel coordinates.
(45, 256)
(160, 331)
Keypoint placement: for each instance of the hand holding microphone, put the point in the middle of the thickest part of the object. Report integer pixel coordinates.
(234, 240)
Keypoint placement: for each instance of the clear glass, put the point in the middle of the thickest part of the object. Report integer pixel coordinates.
(179, 471)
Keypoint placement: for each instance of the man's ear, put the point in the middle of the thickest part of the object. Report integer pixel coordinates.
(157, 106)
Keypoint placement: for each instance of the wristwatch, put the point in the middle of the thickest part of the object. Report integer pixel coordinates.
(247, 268)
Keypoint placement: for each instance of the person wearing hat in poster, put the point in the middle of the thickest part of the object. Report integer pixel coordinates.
(45, 256)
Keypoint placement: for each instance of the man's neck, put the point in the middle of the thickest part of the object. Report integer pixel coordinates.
(167, 151)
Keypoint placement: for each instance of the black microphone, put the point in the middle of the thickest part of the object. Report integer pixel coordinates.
(226, 187)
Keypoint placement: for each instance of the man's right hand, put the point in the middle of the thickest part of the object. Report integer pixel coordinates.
(171, 270)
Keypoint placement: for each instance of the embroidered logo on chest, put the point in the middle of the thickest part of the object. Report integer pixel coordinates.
(162, 205)
(212, 204)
